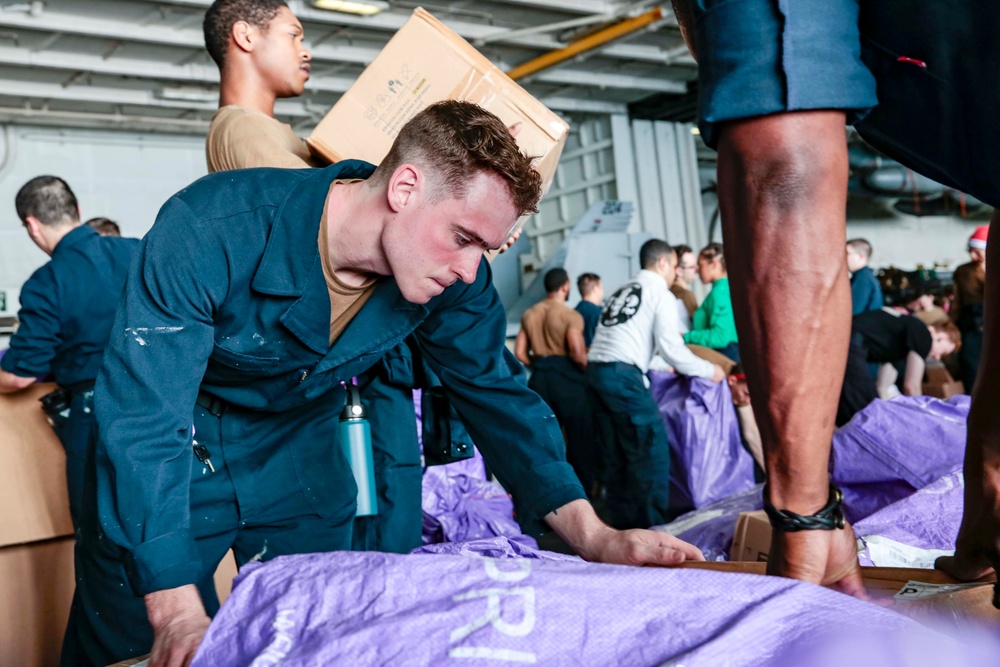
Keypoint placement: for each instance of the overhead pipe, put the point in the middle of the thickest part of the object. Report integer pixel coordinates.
(588, 43)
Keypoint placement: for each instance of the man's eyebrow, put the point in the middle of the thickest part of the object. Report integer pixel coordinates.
(474, 237)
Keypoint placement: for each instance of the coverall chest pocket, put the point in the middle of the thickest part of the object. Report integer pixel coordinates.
(229, 367)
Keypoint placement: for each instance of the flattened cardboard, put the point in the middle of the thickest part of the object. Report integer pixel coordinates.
(33, 474)
(956, 609)
(426, 62)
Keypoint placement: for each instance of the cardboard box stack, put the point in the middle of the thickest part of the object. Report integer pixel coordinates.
(425, 62)
(36, 533)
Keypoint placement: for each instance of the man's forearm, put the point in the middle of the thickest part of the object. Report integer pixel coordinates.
(167, 605)
(579, 526)
(914, 375)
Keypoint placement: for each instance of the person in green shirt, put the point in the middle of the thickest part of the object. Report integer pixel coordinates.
(713, 324)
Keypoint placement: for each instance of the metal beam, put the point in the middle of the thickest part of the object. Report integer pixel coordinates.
(575, 104)
(283, 108)
(144, 69)
(391, 22)
(588, 43)
(189, 38)
(569, 6)
(103, 120)
(152, 34)
(574, 6)
(208, 74)
(610, 80)
(120, 96)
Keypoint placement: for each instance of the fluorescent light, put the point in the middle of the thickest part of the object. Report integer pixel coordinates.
(367, 8)
(695, 131)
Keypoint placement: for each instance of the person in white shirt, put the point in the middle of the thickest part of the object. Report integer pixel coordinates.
(639, 321)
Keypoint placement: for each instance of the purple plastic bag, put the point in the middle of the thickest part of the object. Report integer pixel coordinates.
(494, 547)
(459, 504)
(912, 532)
(352, 608)
(712, 527)
(459, 507)
(887, 452)
(707, 459)
(893, 448)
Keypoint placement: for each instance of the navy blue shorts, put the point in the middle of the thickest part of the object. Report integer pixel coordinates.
(919, 79)
(761, 57)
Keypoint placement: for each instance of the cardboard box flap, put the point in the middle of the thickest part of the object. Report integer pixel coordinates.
(426, 62)
(33, 475)
(526, 105)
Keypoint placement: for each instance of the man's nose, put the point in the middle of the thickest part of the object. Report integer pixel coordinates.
(468, 267)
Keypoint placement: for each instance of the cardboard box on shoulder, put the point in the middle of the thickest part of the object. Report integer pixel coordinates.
(426, 62)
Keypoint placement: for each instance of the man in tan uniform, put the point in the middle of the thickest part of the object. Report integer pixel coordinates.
(258, 47)
(551, 344)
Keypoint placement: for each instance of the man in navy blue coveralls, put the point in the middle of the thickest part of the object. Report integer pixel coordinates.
(778, 80)
(67, 307)
(226, 323)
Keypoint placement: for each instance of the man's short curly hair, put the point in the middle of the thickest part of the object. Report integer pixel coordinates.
(221, 16)
(457, 139)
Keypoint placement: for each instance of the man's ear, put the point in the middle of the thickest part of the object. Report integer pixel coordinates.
(731, 379)
(34, 227)
(244, 36)
(405, 185)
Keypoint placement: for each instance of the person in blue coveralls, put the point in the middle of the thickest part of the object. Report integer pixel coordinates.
(67, 307)
(866, 292)
(258, 294)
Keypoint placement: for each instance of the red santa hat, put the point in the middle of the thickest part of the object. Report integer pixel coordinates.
(978, 238)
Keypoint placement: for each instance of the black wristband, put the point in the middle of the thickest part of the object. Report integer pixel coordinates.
(831, 517)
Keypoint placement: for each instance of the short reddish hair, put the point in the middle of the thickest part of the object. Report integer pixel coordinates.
(948, 327)
(457, 139)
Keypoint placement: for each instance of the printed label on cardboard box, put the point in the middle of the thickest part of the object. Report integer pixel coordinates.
(919, 590)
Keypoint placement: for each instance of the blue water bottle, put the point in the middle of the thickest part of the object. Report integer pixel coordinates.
(355, 437)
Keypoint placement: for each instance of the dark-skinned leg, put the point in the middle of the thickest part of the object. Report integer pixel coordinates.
(977, 550)
(782, 196)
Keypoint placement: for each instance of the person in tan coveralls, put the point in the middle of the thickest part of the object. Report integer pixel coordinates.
(258, 46)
